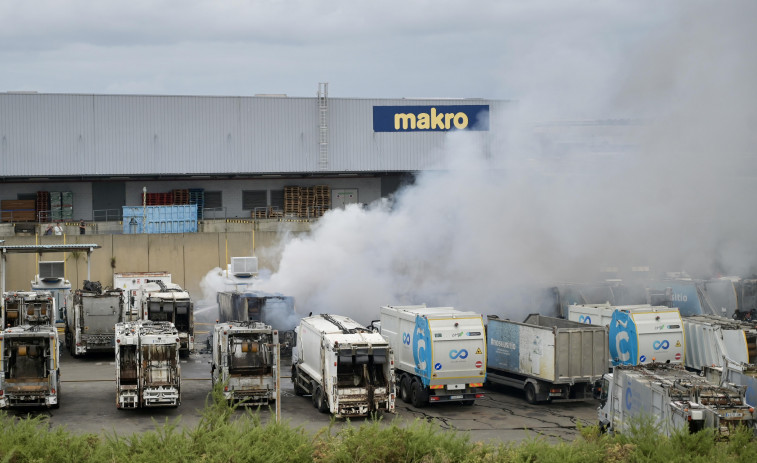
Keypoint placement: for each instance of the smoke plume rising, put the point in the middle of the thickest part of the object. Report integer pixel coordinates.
(517, 211)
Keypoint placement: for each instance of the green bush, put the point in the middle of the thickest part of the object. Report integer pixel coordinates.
(226, 434)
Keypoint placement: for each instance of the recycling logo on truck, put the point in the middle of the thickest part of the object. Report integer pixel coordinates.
(623, 346)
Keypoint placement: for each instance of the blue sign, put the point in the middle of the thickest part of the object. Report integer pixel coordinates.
(422, 350)
(437, 366)
(624, 349)
(503, 351)
(438, 118)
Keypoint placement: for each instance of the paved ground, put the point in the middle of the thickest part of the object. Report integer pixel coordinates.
(88, 405)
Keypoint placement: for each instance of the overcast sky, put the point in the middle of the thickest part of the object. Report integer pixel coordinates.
(501, 49)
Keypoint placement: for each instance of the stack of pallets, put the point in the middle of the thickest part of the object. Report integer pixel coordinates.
(180, 196)
(322, 199)
(197, 196)
(292, 200)
(43, 206)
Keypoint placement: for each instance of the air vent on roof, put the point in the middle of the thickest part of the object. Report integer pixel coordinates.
(244, 266)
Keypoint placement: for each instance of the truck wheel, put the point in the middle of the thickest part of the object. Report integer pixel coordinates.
(319, 401)
(530, 391)
(418, 395)
(405, 389)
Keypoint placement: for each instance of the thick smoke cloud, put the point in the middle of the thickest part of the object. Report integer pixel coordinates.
(506, 217)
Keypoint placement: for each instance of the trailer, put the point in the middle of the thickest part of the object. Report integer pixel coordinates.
(29, 367)
(441, 353)
(710, 339)
(674, 398)
(245, 360)
(347, 369)
(91, 317)
(148, 371)
(548, 358)
(168, 302)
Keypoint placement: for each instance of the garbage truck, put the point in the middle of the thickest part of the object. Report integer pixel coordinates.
(29, 367)
(91, 317)
(547, 358)
(441, 353)
(673, 398)
(245, 360)
(148, 372)
(168, 302)
(347, 369)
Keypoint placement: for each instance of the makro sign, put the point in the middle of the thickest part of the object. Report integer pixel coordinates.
(439, 118)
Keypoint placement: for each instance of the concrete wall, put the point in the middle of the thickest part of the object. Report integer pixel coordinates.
(188, 257)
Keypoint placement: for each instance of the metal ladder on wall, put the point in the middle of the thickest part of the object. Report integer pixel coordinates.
(323, 124)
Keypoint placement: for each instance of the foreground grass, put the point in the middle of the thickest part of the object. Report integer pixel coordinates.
(223, 436)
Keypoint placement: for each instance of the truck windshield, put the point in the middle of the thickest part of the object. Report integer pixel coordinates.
(249, 353)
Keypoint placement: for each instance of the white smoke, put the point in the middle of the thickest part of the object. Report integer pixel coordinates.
(507, 216)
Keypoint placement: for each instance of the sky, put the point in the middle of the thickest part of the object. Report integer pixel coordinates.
(364, 49)
(501, 215)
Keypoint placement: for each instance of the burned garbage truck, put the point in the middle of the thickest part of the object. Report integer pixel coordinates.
(275, 310)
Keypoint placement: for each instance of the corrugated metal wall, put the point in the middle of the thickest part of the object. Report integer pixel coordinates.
(51, 135)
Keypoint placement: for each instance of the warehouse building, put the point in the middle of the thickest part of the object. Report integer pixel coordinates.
(73, 156)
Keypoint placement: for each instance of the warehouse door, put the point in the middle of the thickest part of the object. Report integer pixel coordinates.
(340, 198)
(107, 200)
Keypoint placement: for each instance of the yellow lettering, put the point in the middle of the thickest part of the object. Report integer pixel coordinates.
(404, 118)
(423, 121)
(448, 117)
(437, 120)
(461, 120)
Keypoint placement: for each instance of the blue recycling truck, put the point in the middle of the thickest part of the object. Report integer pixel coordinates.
(440, 353)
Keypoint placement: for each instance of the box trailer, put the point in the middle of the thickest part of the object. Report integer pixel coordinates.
(546, 357)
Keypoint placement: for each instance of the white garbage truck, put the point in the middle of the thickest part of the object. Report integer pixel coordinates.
(148, 372)
(346, 368)
(29, 367)
(672, 398)
(28, 308)
(245, 360)
(441, 353)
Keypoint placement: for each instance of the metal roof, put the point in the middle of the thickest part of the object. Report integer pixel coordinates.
(40, 248)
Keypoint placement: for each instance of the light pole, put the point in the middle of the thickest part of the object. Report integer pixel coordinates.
(144, 209)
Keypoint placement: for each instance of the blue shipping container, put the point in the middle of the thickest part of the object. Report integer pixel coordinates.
(160, 219)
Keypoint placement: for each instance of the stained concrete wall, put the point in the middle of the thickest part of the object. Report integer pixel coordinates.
(188, 257)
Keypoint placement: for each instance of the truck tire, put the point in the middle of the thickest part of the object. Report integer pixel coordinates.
(530, 391)
(405, 389)
(319, 400)
(418, 395)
